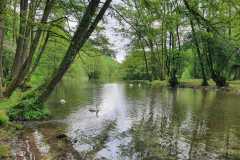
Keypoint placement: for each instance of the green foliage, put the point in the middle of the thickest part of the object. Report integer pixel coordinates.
(186, 74)
(3, 118)
(5, 151)
(96, 65)
(173, 54)
(133, 68)
(29, 108)
(92, 65)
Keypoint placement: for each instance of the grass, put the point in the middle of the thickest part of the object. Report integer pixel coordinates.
(5, 151)
(6, 104)
(3, 117)
(194, 83)
(158, 83)
(234, 86)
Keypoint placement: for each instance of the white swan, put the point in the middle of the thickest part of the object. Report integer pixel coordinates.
(62, 101)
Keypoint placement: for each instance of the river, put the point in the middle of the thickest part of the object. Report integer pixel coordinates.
(118, 121)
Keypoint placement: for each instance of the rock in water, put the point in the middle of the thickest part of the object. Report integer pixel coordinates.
(61, 136)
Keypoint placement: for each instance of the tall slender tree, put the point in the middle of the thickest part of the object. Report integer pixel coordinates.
(2, 11)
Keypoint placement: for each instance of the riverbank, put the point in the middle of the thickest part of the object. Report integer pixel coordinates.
(234, 86)
(6, 104)
(8, 132)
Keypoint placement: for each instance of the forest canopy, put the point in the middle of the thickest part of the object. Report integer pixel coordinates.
(183, 38)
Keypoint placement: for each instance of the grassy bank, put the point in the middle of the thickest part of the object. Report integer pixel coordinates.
(5, 104)
(234, 86)
(8, 130)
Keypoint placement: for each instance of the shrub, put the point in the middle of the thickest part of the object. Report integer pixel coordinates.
(29, 108)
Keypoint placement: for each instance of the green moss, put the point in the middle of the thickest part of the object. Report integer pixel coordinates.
(3, 117)
(5, 151)
(29, 108)
(11, 101)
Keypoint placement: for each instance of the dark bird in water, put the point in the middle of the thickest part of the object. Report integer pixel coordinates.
(93, 110)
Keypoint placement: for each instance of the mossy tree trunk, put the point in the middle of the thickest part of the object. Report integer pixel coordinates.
(2, 10)
(33, 102)
(19, 58)
(22, 68)
(85, 28)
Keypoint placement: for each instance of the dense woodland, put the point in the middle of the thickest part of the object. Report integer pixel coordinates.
(170, 40)
(182, 39)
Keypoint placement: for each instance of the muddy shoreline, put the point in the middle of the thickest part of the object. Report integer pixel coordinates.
(42, 140)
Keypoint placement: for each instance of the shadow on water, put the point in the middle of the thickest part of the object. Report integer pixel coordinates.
(122, 122)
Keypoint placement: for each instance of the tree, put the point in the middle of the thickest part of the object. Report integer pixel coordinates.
(2, 11)
(204, 76)
(23, 61)
(34, 101)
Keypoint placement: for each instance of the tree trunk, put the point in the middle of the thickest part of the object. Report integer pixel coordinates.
(24, 68)
(28, 30)
(14, 21)
(216, 76)
(153, 60)
(84, 30)
(173, 81)
(230, 23)
(145, 58)
(39, 56)
(2, 10)
(18, 60)
(205, 82)
(178, 66)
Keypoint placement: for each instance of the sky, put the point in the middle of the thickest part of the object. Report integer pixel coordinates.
(118, 41)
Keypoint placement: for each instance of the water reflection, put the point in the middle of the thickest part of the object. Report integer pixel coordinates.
(151, 123)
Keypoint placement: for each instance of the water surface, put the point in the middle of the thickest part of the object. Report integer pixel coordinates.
(120, 122)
